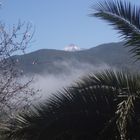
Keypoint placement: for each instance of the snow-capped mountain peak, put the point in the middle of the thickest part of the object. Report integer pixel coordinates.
(72, 48)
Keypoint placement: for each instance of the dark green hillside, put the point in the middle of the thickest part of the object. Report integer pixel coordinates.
(115, 55)
(58, 61)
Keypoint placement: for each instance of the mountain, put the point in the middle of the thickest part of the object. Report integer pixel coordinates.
(58, 61)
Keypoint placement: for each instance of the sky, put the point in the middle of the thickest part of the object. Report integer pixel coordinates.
(58, 23)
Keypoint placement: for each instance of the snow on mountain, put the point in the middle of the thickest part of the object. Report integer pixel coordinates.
(72, 48)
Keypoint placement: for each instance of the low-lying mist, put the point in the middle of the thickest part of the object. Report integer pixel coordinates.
(45, 85)
(49, 84)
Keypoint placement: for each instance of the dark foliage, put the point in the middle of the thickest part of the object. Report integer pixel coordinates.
(125, 18)
(94, 108)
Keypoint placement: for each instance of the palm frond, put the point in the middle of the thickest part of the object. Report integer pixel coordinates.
(123, 80)
(125, 18)
(126, 113)
(72, 111)
(88, 109)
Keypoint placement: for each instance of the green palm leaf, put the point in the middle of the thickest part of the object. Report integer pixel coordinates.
(100, 106)
(115, 79)
(125, 17)
(72, 111)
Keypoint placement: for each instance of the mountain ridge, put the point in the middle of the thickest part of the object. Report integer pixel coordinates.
(52, 60)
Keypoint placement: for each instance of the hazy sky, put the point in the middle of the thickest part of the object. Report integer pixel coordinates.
(59, 23)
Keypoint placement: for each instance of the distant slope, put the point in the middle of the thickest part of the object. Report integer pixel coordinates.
(114, 54)
(57, 61)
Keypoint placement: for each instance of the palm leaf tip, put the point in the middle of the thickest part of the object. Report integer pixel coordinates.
(125, 18)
